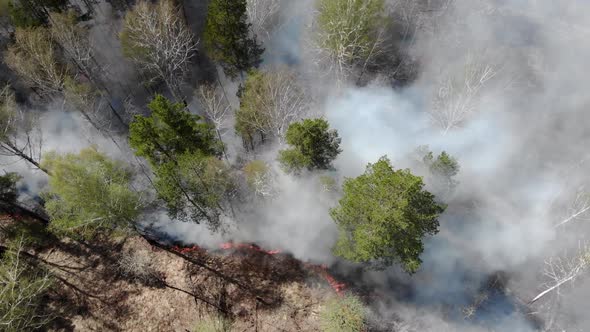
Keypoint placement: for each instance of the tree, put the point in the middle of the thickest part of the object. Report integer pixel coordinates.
(269, 103)
(262, 15)
(33, 56)
(259, 178)
(8, 190)
(228, 38)
(215, 106)
(82, 97)
(22, 291)
(32, 13)
(183, 151)
(10, 205)
(196, 187)
(442, 169)
(314, 146)
(89, 193)
(169, 132)
(383, 216)
(562, 270)
(17, 137)
(157, 38)
(343, 314)
(350, 34)
(73, 39)
(459, 91)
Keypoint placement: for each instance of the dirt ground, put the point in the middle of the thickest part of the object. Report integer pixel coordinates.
(255, 290)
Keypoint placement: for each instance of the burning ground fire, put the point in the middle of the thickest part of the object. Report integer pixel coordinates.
(321, 270)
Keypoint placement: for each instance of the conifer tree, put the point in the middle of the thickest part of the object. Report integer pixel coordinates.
(228, 38)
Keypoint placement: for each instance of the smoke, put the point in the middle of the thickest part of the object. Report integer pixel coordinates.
(519, 150)
(521, 142)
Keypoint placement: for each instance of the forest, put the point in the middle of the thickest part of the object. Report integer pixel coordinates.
(294, 165)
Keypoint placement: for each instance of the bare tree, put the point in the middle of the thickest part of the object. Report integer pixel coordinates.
(215, 106)
(578, 209)
(156, 37)
(350, 35)
(260, 178)
(262, 14)
(34, 58)
(22, 288)
(560, 271)
(271, 101)
(83, 98)
(457, 96)
(18, 136)
(73, 39)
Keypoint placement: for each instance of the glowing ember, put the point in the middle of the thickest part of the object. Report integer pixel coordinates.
(322, 270)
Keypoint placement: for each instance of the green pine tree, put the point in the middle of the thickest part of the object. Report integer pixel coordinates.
(314, 146)
(228, 38)
(383, 216)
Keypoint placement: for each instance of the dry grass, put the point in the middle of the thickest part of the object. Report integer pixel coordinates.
(254, 290)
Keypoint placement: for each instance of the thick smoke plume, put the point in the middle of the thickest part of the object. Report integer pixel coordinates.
(501, 85)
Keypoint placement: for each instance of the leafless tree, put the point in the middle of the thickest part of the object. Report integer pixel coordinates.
(560, 271)
(33, 56)
(262, 14)
(19, 136)
(21, 292)
(83, 98)
(271, 101)
(156, 37)
(73, 39)
(457, 96)
(578, 209)
(215, 106)
(349, 36)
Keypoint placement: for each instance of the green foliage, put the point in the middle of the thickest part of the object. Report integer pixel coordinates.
(251, 118)
(32, 13)
(328, 183)
(8, 113)
(22, 288)
(270, 100)
(88, 193)
(227, 37)
(383, 216)
(292, 160)
(34, 56)
(31, 234)
(444, 165)
(216, 323)
(171, 131)
(195, 187)
(8, 190)
(183, 150)
(314, 146)
(254, 170)
(343, 314)
(442, 169)
(349, 27)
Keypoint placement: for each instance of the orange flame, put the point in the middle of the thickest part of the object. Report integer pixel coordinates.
(231, 245)
(322, 270)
